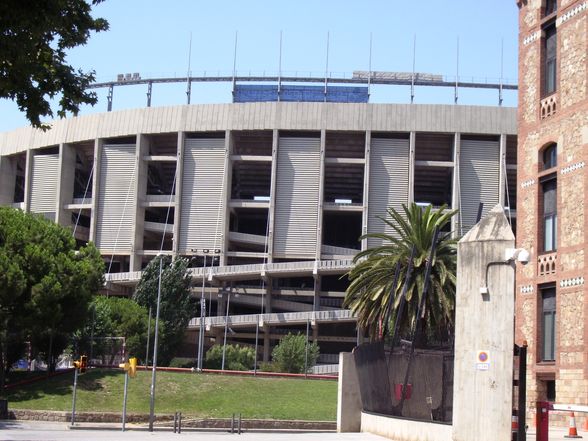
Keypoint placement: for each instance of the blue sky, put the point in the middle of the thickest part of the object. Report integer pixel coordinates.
(152, 38)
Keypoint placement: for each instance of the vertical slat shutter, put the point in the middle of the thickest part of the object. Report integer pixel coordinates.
(45, 172)
(388, 182)
(479, 169)
(296, 203)
(202, 204)
(117, 200)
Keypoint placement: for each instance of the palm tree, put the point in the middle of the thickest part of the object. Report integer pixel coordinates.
(372, 287)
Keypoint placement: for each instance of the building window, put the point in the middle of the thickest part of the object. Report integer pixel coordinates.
(550, 7)
(548, 324)
(549, 190)
(550, 156)
(550, 60)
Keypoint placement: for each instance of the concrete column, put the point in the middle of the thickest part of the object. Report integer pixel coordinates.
(178, 198)
(348, 396)
(141, 150)
(267, 307)
(455, 194)
(271, 217)
(502, 170)
(7, 180)
(411, 153)
(98, 143)
(317, 293)
(65, 183)
(366, 188)
(319, 229)
(484, 332)
(28, 179)
(226, 195)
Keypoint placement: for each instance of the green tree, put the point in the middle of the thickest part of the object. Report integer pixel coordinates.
(115, 317)
(177, 307)
(34, 40)
(45, 283)
(292, 354)
(237, 358)
(372, 277)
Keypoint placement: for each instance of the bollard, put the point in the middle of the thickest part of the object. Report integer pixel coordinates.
(233, 424)
(543, 420)
(180, 423)
(239, 426)
(175, 421)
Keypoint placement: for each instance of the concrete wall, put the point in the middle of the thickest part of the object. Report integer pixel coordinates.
(405, 430)
(348, 397)
(482, 391)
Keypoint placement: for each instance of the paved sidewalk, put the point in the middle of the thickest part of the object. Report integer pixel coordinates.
(46, 431)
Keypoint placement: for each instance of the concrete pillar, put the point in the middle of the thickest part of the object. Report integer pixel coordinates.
(226, 197)
(411, 154)
(98, 143)
(271, 217)
(502, 170)
(178, 198)
(484, 332)
(366, 188)
(348, 396)
(141, 150)
(321, 191)
(455, 194)
(28, 180)
(267, 308)
(65, 183)
(7, 180)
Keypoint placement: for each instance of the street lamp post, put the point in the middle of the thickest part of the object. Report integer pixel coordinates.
(155, 341)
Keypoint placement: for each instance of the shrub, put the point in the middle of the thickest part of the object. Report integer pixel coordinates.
(237, 358)
(290, 354)
(182, 362)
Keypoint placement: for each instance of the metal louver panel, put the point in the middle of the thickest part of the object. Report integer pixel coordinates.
(297, 196)
(202, 204)
(388, 182)
(479, 170)
(117, 202)
(45, 171)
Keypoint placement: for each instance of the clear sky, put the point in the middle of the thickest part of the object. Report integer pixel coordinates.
(153, 37)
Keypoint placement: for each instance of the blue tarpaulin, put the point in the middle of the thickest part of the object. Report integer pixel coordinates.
(246, 93)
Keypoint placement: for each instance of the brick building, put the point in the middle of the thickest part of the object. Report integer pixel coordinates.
(552, 302)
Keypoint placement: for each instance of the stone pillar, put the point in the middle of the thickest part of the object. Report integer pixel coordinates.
(348, 397)
(7, 180)
(484, 332)
(65, 184)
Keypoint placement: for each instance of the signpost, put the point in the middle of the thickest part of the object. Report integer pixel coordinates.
(130, 368)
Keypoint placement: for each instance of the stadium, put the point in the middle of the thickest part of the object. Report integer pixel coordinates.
(267, 195)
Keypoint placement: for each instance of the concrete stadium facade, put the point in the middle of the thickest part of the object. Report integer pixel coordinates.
(268, 199)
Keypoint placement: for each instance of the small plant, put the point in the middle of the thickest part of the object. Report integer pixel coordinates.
(293, 354)
(237, 358)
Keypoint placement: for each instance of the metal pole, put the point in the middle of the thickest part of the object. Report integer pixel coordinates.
(413, 69)
(73, 403)
(148, 335)
(226, 328)
(256, 344)
(154, 369)
(202, 316)
(306, 350)
(124, 415)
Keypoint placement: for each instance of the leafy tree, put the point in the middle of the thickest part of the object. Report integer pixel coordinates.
(34, 39)
(371, 289)
(177, 307)
(115, 317)
(237, 358)
(45, 283)
(290, 355)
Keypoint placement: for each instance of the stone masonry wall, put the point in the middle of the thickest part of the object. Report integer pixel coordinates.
(567, 126)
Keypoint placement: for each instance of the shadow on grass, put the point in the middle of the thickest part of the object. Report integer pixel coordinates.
(60, 385)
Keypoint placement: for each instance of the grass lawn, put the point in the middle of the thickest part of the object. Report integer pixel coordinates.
(203, 395)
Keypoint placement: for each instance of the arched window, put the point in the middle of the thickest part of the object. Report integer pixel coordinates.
(549, 156)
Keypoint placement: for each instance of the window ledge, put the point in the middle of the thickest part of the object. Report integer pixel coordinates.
(548, 106)
(546, 263)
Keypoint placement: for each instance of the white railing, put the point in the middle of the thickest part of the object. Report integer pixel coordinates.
(257, 269)
(280, 318)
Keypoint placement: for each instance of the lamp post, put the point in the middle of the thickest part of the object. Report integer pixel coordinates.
(155, 341)
(201, 328)
(226, 326)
